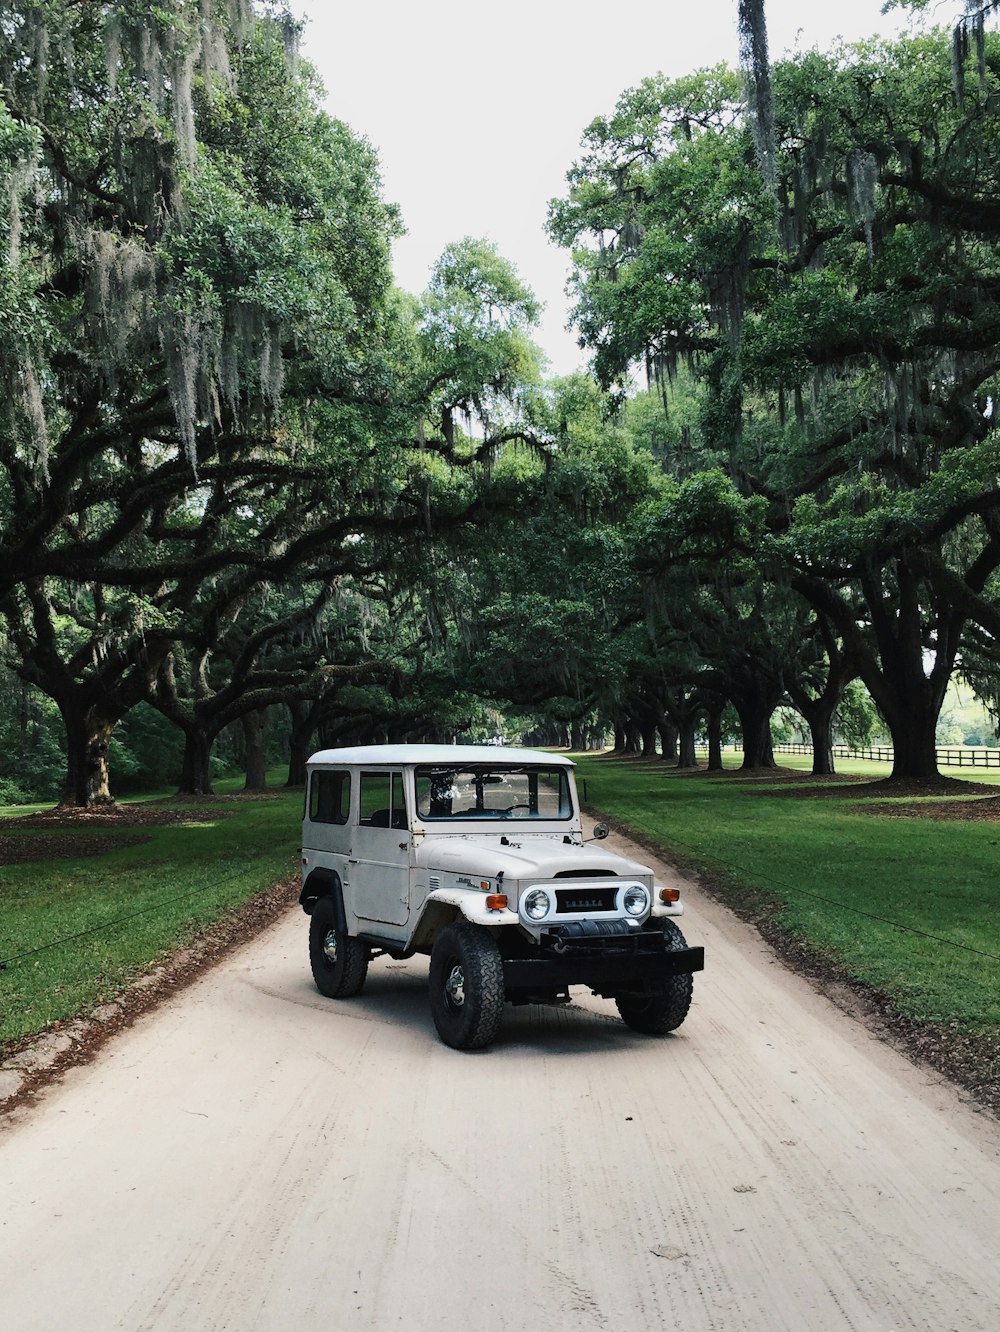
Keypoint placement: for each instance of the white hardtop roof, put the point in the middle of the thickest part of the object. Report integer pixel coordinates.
(439, 755)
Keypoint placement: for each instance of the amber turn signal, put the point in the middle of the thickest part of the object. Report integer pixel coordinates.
(670, 894)
(496, 901)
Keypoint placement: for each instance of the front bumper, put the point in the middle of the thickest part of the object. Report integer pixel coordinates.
(610, 957)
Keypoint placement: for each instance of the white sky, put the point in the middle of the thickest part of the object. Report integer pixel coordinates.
(477, 110)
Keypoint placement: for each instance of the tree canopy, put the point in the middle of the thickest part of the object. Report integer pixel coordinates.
(842, 331)
(240, 470)
(212, 387)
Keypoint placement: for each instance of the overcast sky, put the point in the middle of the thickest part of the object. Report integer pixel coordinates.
(477, 110)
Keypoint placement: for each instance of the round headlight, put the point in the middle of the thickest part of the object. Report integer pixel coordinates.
(537, 903)
(636, 900)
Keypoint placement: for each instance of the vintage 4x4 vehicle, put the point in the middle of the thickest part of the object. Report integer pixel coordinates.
(475, 855)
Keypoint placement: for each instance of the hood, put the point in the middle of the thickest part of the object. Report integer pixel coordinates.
(531, 857)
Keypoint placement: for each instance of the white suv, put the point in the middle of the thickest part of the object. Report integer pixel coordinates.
(475, 855)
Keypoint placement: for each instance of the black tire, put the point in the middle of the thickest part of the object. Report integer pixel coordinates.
(467, 989)
(659, 1013)
(339, 963)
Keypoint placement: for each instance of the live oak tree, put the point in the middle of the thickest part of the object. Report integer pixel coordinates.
(188, 234)
(844, 328)
(212, 387)
(897, 507)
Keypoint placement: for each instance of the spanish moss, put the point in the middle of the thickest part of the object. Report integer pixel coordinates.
(862, 181)
(33, 408)
(755, 61)
(120, 297)
(970, 34)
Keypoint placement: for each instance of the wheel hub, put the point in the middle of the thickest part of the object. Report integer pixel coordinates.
(330, 947)
(454, 986)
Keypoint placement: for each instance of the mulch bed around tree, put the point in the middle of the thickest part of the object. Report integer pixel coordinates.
(942, 786)
(800, 785)
(70, 832)
(25, 848)
(201, 809)
(981, 810)
(883, 794)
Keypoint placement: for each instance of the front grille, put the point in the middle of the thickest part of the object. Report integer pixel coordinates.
(578, 901)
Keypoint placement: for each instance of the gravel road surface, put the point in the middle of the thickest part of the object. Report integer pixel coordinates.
(255, 1157)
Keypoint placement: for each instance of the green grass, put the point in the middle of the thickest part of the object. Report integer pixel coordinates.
(863, 889)
(73, 932)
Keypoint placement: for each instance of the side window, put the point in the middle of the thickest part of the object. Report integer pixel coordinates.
(382, 804)
(329, 797)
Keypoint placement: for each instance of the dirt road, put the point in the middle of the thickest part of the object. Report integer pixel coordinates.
(255, 1157)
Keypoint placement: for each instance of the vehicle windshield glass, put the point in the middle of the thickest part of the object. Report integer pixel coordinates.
(493, 792)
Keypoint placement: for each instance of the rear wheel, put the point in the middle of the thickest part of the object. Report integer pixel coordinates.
(339, 963)
(466, 985)
(656, 1014)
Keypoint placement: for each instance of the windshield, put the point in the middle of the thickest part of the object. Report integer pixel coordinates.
(493, 792)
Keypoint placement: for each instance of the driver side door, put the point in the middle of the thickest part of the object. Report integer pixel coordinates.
(381, 850)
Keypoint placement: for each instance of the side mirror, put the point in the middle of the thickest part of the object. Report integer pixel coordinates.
(601, 831)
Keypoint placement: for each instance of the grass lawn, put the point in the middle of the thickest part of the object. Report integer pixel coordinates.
(909, 906)
(74, 931)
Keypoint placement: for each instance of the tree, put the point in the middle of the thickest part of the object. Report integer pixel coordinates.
(172, 258)
(846, 343)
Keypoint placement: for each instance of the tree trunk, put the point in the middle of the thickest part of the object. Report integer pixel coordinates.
(196, 777)
(88, 736)
(755, 722)
(668, 739)
(253, 741)
(818, 714)
(910, 702)
(821, 732)
(913, 728)
(714, 728)
(688, 757)
(300, 740)
(648, 741)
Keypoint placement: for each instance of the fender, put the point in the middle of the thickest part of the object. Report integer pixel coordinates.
(444, 906)
(472, 905)
(324, 883)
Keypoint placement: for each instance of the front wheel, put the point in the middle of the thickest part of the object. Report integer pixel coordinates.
(339, 963)
(656, 1014)
(467, 988)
